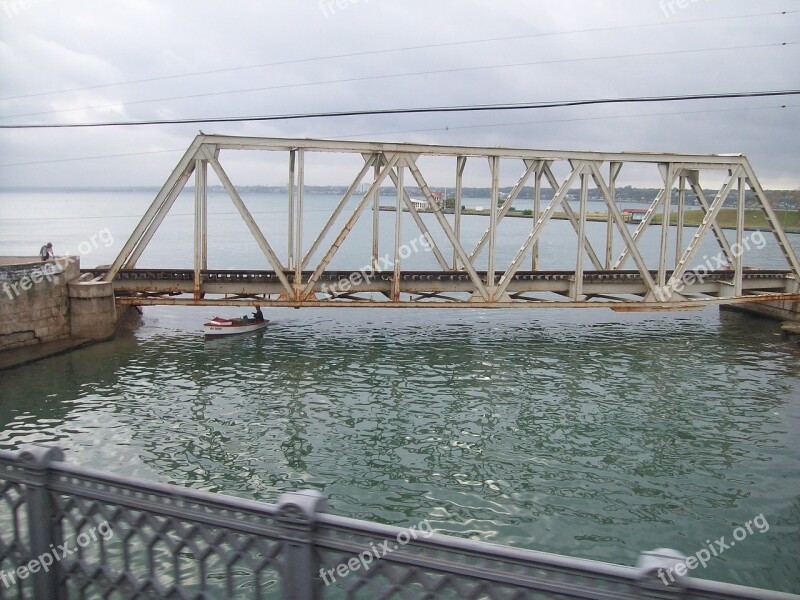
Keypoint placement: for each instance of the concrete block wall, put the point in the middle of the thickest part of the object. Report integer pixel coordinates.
(34, 301)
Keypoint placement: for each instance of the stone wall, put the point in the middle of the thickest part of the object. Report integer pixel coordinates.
(34, 301)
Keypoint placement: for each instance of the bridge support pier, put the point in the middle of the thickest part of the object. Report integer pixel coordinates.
(92, 310)
(781, 310)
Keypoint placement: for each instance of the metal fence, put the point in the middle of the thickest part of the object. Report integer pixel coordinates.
(72, 532)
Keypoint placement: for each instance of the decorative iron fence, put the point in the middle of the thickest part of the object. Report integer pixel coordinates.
(72, 532)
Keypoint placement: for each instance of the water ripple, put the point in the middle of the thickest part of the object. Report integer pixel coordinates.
(600, 437)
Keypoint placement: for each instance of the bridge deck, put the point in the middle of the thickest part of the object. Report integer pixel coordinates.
(617, 289)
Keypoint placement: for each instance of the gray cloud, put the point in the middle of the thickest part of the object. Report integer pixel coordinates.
(51, 45)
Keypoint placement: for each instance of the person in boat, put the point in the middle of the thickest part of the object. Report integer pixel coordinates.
(258, 315)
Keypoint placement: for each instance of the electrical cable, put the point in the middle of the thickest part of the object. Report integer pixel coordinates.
(402, 49)
(416, 110)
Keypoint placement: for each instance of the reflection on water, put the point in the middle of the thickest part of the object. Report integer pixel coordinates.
(586, 433)
(579, 432)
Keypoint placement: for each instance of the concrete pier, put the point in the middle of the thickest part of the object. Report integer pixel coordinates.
(780, 310)
(45, 309)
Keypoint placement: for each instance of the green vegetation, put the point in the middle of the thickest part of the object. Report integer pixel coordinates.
(753, 218)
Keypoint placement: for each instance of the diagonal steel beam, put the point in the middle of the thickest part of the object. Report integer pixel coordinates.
(457, 247)
(388, 164)
(630, 242)
(163, 201)
(420, 223)
(531, 167)
(273, 259)
(694, 182)
(537, 231)
(551, 178)
(651, 212)
(370, 161)
(159, 218)
(694, 244)
(772, 217)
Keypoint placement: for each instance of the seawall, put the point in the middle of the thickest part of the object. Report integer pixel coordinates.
(45, 309)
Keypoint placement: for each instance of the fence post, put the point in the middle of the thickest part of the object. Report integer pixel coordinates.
(659, 575)
(297, 514)
(43, 531)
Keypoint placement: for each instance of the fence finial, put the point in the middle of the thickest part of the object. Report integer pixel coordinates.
(657, 570)
(40, 454)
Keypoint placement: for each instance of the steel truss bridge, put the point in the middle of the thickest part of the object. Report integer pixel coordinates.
(467, 276)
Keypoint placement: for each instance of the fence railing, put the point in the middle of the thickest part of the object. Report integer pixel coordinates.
(72, 532)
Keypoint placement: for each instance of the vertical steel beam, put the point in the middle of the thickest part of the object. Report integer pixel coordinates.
(200, 223)
(534, 235)
(710, 217)
(376, 214)
(290, 226)
(480, 289)
(739, 254)
(573, 220)
(613, 172)
(681, 217)
(298, 235)
(537, 209)
(398, 231)
(630, 242)
(668, 173)
(578, 288)
(494, 165)
(461, 163)
(249, 221)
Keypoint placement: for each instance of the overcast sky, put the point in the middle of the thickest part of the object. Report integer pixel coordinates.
(49, 48)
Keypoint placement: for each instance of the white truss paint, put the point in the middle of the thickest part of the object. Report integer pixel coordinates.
(298, 282)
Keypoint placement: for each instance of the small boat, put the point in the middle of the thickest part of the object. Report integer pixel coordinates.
(218, 326)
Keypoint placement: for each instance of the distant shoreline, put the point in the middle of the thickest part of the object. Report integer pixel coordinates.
(691, 219)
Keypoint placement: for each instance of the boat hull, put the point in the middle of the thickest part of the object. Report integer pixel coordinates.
(222, 327)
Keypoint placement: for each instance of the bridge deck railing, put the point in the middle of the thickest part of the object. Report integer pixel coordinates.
(71, 532)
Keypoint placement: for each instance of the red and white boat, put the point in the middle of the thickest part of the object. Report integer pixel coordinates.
(218, 326)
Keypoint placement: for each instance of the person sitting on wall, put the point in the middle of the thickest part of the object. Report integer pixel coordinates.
(46, 251)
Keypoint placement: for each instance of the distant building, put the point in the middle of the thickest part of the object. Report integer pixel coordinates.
(633, 215)
(425, 205)
(420, 204)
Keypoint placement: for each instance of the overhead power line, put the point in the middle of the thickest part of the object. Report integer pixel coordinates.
(663, 23)
(399, 75)
(431, 129)
(417, 110)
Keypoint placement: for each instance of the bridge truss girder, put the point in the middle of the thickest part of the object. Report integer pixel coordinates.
(670, 283)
